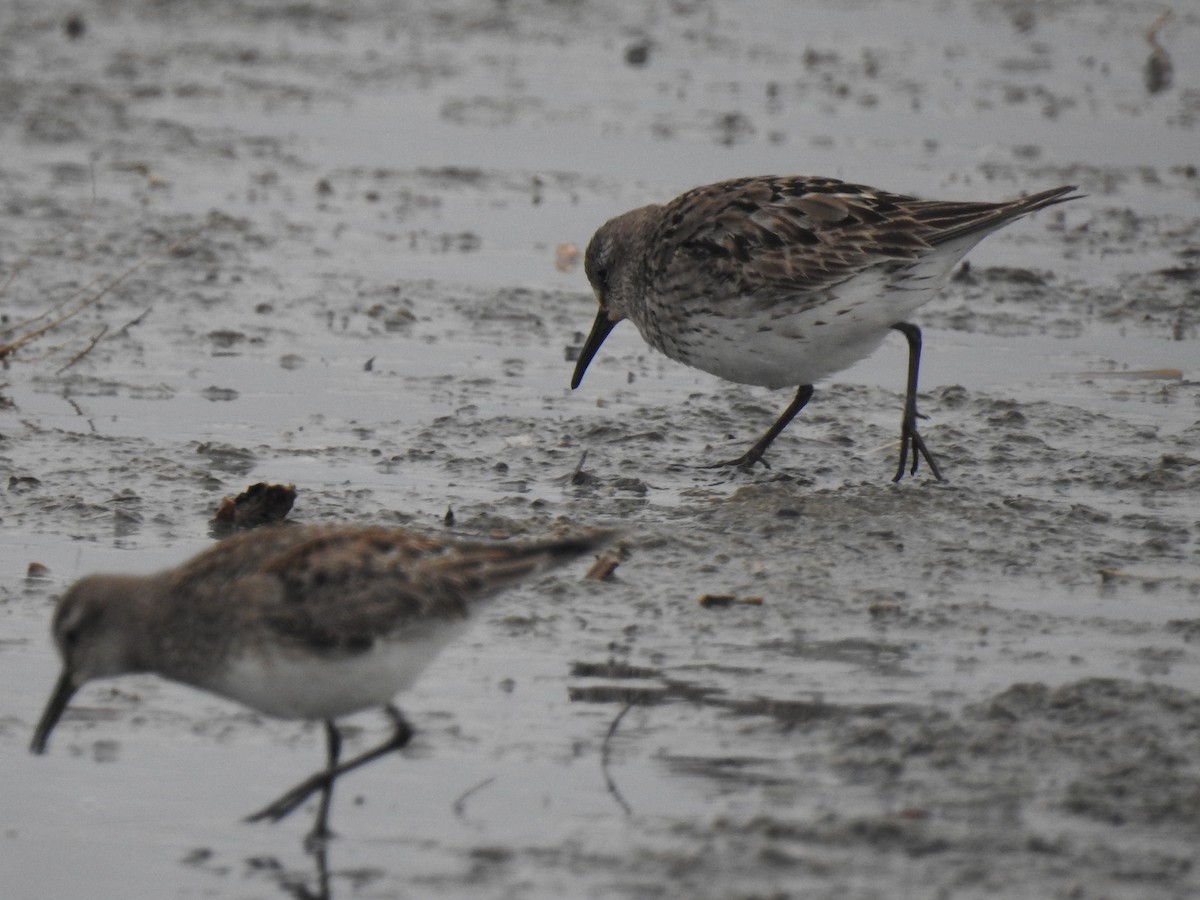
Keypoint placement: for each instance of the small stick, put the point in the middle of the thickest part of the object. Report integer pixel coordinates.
(14, 346)
(135, 321)
(606, 563)
(460, 804)
(604, 752)
(85, 351)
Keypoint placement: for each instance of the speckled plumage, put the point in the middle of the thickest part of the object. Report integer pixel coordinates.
(780, 281)
(309, 622)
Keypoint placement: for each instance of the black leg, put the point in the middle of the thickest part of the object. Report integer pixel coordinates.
(333, 750)
(323, 781)
(909, 436)
(755, 453)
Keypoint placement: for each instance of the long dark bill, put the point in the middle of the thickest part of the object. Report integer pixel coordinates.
(64, 690)
(600, 329)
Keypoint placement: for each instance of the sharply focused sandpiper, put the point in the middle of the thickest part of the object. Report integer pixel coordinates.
(309, 622)
(782, 281)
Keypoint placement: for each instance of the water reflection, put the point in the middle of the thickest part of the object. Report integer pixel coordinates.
(310, 883)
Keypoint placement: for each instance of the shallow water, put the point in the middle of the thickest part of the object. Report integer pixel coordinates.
(940, 694)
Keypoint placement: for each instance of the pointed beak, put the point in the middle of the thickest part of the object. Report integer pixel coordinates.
(600, 329)
(64, 690)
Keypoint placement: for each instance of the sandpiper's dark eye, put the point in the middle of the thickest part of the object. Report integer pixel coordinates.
(602, 277)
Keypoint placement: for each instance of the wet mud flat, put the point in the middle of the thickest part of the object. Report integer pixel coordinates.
(345, 224)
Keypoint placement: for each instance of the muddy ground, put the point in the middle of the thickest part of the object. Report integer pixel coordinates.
(988, 687)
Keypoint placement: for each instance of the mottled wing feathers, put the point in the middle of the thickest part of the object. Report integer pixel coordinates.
(946, 221)
(807, 235)
(482, 568)
(338, 589)
(804, 235)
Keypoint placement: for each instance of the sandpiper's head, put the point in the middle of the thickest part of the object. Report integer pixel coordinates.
(614, 254)
(94, 638)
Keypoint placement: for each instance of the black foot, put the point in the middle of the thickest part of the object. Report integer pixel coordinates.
(283, 806)
(745, 462)
(324, 781)
(910, 438)
(755, 454)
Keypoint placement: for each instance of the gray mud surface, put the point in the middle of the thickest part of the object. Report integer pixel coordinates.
(988, 687)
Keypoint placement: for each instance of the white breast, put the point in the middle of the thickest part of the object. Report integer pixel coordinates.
(290, 684)
(788, 343)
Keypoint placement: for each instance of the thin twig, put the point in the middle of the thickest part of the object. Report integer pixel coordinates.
(135, 321)
(74, 405)
(14, 346)
(10, 348)
(66, 301)
(85, 351)
(460, 805)
(604, 754)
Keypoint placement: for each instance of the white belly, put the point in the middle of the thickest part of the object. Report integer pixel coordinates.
(788, 342)
(288, 684)
(785, 353)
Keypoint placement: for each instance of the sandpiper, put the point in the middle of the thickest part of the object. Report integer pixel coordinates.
(782, 281)
(309, 622)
